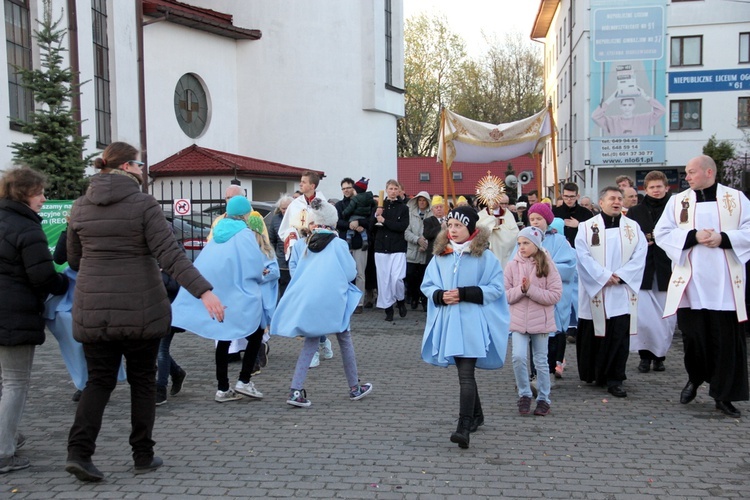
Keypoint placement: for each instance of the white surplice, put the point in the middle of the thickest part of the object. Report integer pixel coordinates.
(711, 286)
(592, 276)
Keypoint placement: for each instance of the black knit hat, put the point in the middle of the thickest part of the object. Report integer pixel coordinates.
(466, 216)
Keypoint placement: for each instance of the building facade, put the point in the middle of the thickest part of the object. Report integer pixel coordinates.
(314, 85)
(640, 85)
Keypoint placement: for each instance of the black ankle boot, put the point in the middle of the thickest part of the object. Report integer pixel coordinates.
(389, 313)
(461, 436)
(476, 422)
(401, 307)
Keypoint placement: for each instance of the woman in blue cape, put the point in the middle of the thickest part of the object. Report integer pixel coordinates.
(238, 269)
(320, 300)
(564, 257)
(467, 312)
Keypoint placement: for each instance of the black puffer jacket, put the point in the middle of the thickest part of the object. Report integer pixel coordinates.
(115, 236)
(27, 275)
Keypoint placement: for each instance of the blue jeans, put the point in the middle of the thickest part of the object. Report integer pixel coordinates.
(520, 364)
(15, 365)
(166, 365)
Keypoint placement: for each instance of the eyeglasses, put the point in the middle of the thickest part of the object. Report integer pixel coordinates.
(569, 196)
(344, 188)
(136, 163)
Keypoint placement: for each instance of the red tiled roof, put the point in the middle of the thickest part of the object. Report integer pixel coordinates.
(198, 18)
(410, 168)
(195, 160)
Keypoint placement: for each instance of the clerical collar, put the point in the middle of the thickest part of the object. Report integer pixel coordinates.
(708, 194)
(310, 199)
(611, 221)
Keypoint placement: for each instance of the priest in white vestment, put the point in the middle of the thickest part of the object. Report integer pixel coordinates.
(705, 230)
(294, 224)
(503, 229)
(611, 251)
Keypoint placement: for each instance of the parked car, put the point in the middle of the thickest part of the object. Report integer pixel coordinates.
(263, 208)
(190, 230)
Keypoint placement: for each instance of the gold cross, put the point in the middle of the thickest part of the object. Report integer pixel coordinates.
(737, 281)
(729, 203)
(596, 301)
(629, 233)
(679, 281)
(633, 298)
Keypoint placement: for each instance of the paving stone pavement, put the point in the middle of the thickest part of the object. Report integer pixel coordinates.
(393, 443)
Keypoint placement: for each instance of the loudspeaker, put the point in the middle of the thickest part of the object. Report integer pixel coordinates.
(525, 177)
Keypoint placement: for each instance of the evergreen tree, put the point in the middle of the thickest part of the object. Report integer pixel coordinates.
(57, 147)
(720, 151)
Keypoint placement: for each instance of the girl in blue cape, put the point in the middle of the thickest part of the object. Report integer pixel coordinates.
(239, 270)
(467, 312)
(320, 300)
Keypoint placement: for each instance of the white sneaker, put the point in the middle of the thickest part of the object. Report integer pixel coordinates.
(248, 389)
(315, 361)
(326, 348)
(228, 395)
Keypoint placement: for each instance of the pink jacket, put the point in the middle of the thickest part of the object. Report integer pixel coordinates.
(533, 311)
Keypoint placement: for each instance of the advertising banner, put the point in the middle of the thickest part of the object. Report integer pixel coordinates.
(54, 221)
(628, 82)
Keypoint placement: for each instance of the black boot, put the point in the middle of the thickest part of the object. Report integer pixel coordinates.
(461, 436)
(478, 418)
(389, 313)
(401, 307)
(644, 366)
(161, 395)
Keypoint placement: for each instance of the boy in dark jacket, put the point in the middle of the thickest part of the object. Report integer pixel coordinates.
(360, 208)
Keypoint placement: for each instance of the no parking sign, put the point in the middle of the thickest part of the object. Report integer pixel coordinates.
(182, 206)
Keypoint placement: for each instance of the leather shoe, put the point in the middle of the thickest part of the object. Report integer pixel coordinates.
(644, 366)
(617, 391)
(659, 366)
(401, 308)
(688, 393)
(85, 471)
(156, 462)
(728, 409)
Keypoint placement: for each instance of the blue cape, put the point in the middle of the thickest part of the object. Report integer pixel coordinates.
(466, 329)
(320, 298)
(235, 269)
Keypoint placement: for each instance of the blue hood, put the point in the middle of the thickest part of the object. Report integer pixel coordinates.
(226, 228)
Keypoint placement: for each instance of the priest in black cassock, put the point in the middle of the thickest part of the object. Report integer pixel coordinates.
(611, 252)
(705, 230)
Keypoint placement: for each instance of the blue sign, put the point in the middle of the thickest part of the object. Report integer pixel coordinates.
(720, 80)
(628, 34)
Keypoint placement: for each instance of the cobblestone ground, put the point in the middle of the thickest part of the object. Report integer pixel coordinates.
(394, 443)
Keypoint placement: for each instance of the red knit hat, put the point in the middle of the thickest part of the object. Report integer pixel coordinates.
(361, 185)
(542, 209)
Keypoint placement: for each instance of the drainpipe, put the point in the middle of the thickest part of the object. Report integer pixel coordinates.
(75, 100)
(141, 93)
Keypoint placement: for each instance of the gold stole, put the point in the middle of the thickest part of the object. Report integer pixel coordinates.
(729, 219)
(629, 234)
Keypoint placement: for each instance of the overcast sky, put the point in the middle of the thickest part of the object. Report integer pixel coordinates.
(469, 18)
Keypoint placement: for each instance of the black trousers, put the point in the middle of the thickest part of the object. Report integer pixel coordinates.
(469, 404)
(103, 359)
(650, 356)
(603, 359)
(413, 282)
(715, 352)
(248, 360)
